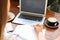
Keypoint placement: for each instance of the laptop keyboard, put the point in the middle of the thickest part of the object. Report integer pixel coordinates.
(30, 17)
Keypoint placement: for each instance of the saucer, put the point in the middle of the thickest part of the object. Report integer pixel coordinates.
(49, 25)
(10, 16)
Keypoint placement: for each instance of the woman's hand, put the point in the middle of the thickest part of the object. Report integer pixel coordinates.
(38, 28)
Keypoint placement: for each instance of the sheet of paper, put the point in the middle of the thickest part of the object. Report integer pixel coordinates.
(25, 32)
(8, 28)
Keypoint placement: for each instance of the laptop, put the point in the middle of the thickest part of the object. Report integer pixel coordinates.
(31, 12)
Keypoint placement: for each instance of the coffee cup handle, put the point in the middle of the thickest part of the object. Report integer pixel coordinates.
(56, 23)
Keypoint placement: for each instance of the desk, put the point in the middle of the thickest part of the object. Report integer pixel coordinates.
(51, 34)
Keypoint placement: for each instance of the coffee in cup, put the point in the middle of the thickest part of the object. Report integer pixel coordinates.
(51, 21)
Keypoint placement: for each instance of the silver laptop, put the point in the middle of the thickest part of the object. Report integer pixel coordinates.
(31, 12)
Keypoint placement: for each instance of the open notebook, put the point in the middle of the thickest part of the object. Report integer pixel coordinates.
(25, 32)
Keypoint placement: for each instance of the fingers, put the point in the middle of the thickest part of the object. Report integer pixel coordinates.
(38, 28)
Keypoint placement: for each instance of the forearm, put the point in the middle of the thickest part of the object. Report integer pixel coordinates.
(40, 32)
(41, 36)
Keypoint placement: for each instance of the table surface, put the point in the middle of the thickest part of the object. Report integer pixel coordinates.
(51, 34)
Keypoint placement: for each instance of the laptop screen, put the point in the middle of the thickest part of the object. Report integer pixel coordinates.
(34, 6)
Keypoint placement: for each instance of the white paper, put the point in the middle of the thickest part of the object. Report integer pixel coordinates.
(25, 32)
(8, 28)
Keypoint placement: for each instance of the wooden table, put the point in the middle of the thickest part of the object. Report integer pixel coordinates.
(51, 34)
